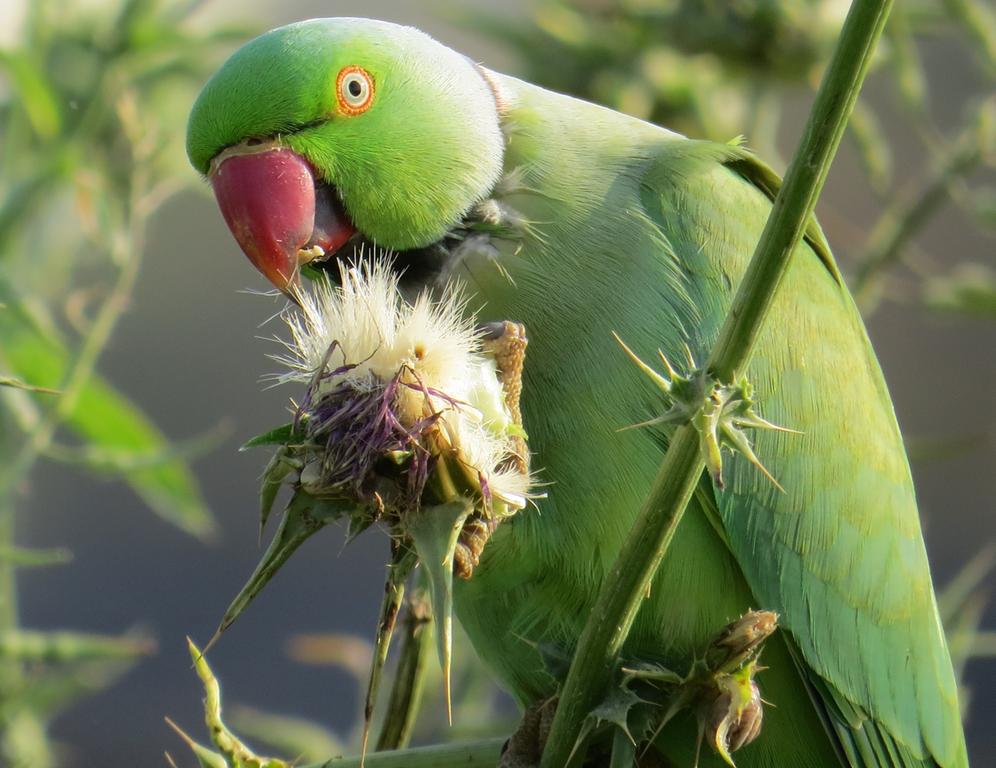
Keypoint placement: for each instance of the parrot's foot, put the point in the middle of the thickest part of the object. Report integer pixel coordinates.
(475, 534)
(525, 747)
(506, 342)
(719, 412)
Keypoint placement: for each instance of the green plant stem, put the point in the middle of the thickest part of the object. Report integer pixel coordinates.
(8, 587)
(10, 670)
(35, 558)
(41, 436)
(471, 754)
(406, 691)
(803, 183)
(627, 583)
(61, 647)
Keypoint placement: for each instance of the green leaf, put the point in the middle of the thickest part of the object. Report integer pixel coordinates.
(34, 93)
(205, 757)
(305, 739)
(434, 531)
(970, 289)
(280, 465)
(123, 462)
(107, 421)
(51, 690)
(623, 749)
(615, 709)
(278, 436)
(305, 516)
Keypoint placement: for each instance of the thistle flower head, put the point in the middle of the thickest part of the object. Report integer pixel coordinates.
(364, 324)
(411, 416)
(388, 376)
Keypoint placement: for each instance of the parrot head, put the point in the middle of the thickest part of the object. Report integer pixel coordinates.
(330, 128)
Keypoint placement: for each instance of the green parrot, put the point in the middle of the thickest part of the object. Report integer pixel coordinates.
(578, 221)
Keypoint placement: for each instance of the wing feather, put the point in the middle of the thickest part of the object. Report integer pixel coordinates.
(840, 553)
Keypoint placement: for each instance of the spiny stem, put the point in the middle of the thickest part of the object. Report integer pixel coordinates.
(406, 691)
(803, 183)
(627, 583)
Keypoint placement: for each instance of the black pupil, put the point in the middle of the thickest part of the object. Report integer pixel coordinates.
(355, 88)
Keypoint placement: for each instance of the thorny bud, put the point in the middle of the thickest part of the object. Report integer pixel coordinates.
(734, 717)
(740, 640)
(719, 412)
(720, 686)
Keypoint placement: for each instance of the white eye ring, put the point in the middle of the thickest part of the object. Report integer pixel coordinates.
(354, 90)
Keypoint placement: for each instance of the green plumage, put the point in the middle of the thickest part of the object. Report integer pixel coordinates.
(626, 227)
(647, 234)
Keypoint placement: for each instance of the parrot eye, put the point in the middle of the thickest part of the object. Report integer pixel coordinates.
(354, 90)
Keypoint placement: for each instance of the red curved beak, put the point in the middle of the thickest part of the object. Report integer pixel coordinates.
(278, 215)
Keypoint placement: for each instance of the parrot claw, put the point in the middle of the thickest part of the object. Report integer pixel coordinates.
(524, 747)
(506, 342)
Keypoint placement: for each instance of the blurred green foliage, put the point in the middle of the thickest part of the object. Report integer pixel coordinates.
(92, 107)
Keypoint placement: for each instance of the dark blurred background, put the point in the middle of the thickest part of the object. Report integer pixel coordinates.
(189, 352)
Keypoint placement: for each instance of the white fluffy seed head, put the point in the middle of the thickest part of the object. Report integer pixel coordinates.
(431, 345)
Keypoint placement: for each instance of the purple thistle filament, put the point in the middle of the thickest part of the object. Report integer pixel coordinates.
(357, 427)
